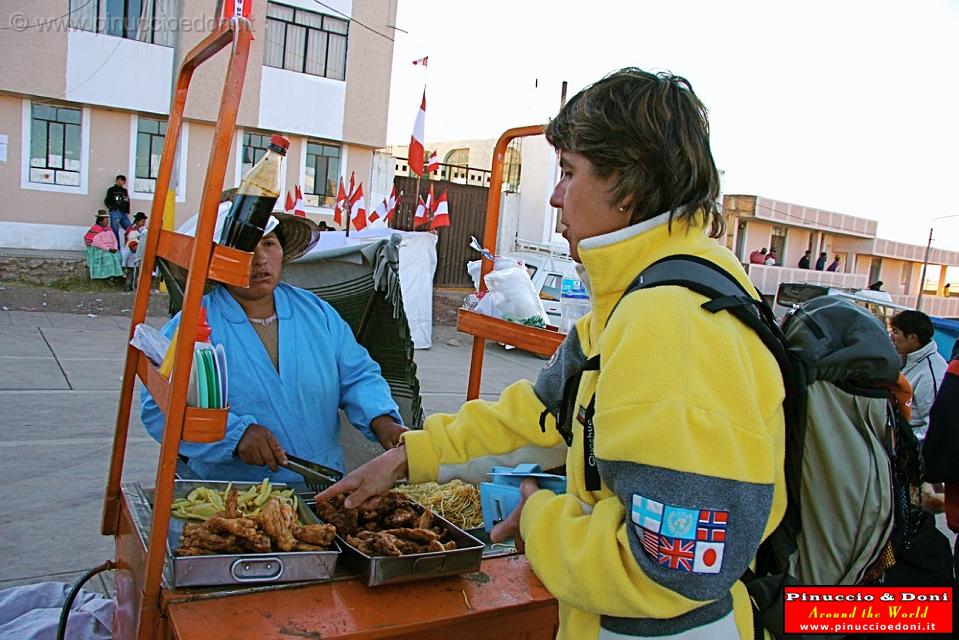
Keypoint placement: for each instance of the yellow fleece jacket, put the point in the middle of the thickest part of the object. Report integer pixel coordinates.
(689, 442)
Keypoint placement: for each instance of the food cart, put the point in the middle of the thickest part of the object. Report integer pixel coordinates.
(503, 599)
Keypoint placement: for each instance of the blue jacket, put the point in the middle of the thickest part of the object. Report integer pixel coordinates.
(322, 368)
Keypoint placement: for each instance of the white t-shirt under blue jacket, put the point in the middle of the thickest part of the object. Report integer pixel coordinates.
(322, 369)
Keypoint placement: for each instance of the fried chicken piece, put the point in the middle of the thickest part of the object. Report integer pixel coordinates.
(346, 521)
(276, 519)
(383, 544)
(436, 545)
(402, 517)
(261, 543)
(372, 525)
(304, 546)
(419, 536)
(425, 521)
(449, 546)
(206, 539)
(240, 527)
(315, 534)
(374, 544)
(406, 547)
(231, 510)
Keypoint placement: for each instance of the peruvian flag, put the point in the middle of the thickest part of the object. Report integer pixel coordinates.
(433, 164)
(430, 198)
(340, 203)
(423, 61)
(417, 139)
(391, 204)
(289, 202)
(422, 215)
(298, 206)
(441, 213)
(378, 212)
(358, 208)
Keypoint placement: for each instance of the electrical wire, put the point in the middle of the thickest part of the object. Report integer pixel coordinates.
(65, 611)
(351, 19)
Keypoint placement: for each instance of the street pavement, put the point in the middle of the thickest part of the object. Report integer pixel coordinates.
(60, 377)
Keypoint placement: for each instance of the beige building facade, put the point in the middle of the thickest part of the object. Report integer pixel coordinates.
(85, 96)
(755, 222)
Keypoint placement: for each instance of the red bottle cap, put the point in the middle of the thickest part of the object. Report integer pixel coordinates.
(280, 141)
(203, 330)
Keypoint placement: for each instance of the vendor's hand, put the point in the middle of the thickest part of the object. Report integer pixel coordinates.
(387, 431)
(374, 478)
(932, 501)
(509, 528)
(259, 446)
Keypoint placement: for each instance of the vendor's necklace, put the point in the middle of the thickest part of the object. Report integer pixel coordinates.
(263, 321)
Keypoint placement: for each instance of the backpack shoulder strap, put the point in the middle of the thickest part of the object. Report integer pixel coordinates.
(724, 293)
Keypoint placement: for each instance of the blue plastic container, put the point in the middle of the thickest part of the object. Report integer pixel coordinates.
(501, 496)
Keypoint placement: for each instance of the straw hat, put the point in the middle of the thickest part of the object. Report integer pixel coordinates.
(297, 234)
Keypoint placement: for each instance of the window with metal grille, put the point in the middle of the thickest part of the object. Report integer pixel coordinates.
(458, 162)
(55, 145)
(153, 21)
(151, 133)
(322, 171)
(305, 41)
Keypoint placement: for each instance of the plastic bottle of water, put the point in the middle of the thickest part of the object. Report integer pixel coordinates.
(574, 300)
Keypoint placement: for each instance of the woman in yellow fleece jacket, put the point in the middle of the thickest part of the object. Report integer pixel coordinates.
(675, 456)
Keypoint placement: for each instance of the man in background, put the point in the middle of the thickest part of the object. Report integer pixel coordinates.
(118, 204)
(821, 262)
(804, 261)
(922, 365)
(758, 257)
(834, 265)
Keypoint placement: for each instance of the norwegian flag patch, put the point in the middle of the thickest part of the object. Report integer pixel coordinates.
(680, 538)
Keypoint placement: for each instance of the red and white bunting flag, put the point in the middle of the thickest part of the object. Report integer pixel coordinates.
(340, 203)
(423, 61)
(379, 212)
(358, 208)
(417, 140)
(299, 207)
(433, 164)
(441, 213)
(391, 204)
(422, 215)
(289, 202)
(352, 191)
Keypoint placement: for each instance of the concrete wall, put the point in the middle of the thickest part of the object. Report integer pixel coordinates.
(369, 64)
(34, 59)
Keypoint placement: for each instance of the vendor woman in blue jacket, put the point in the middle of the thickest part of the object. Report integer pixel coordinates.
(292, 362)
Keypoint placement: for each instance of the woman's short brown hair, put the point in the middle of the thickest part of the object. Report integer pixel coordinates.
(651, 132)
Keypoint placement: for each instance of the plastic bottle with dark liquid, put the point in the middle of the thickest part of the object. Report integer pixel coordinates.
(255, 199)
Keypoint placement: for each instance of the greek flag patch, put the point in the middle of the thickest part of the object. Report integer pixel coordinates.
(680, 538)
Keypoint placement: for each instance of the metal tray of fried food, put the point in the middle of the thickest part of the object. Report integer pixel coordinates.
(246, 568)
(377, 570)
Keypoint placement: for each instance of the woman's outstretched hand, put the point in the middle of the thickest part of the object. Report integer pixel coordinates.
(374, 478)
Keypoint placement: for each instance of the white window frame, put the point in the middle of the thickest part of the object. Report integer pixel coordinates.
(25, 137)
(181, 172)
(301, 180)
(238, 169)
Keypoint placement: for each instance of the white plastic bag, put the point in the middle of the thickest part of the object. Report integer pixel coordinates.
(514, 295)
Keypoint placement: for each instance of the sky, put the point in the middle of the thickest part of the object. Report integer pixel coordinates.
(845, 105)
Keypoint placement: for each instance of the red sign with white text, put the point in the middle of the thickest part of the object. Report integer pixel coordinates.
(846, 610)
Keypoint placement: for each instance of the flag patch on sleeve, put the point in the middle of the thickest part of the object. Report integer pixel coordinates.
(680, 538)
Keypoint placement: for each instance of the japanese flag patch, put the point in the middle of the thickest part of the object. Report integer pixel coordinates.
(680, 538)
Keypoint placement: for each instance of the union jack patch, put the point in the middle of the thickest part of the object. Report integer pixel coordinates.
(680, 538)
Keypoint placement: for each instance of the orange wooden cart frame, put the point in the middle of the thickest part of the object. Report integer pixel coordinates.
(481, 327)
(203, 260)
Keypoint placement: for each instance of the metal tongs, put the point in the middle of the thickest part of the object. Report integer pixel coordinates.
(316, 476)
